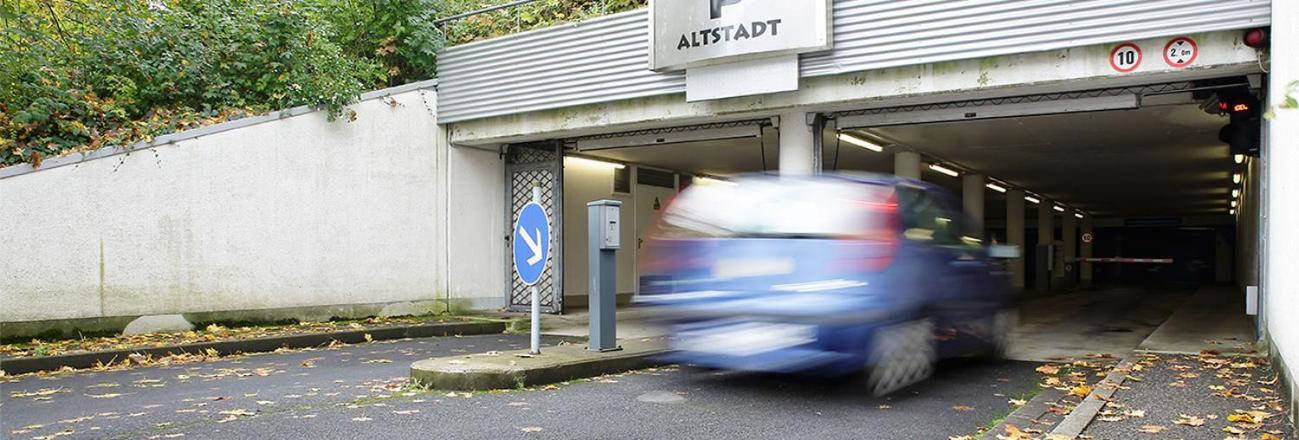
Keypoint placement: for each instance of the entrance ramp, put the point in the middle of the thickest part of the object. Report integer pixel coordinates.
(1110, 321)
(1212, 319)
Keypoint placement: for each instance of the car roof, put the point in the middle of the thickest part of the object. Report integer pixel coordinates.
(859, 177)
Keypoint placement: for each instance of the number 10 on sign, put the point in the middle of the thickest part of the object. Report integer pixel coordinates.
(1125, 57)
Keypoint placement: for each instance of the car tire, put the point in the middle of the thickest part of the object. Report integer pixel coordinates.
(1003, 327)
(900, 355)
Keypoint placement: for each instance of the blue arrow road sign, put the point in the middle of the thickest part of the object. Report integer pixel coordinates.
(531, 243)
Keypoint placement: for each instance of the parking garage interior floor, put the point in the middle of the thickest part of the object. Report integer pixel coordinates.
(1119, 320)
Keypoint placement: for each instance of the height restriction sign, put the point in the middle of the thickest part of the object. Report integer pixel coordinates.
(1125, 57)
(1181, 52)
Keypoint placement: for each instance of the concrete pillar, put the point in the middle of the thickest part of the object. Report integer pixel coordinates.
(1085, 251)
(797, 155)
(972, 192)
(1280, 191)
(1069, 234)
(1045, 236)
(907, 164)
(1015, 235)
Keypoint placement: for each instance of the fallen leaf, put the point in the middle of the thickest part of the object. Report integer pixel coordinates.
(530, 429)
(1135, 413)
(38, 393)
(1048, 369)
(369, 338)
(103, 396)
(1081, 390)
(406, 412)
(1189, 420)
(362, 418)
(1018, 402)
(1152, 429)
(238, 413)
(1013, 433)
(963, 408)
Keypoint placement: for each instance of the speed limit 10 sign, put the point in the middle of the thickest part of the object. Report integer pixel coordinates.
(1125, 57)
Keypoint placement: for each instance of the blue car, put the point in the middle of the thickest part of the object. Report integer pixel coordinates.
(831, 275)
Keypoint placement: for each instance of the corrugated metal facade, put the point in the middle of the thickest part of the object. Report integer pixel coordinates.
(601, 60)
(606, 59)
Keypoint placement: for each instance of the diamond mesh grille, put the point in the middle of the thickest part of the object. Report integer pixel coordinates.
(529, 167)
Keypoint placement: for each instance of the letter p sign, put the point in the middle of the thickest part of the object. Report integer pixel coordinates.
(716, 11)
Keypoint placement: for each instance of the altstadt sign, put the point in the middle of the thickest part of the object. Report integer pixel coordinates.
(694, 33)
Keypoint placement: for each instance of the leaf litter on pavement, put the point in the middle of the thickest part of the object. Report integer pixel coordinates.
(1240, 382)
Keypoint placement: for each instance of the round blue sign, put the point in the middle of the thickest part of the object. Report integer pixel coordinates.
(531, 243)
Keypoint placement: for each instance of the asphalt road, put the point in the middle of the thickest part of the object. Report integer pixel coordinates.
(358, 392)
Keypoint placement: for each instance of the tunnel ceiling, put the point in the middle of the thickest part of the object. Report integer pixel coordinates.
(1162, 160)
(1155, 161)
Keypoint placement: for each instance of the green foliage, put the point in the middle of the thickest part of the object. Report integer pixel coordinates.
(397, 35)
(535, 15)
(78, 75)
(83, 74)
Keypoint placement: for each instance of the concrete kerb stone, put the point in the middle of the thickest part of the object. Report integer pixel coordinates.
(1025, 416)
(517, 369)
(256, 345)
(1078, 419)
(157, 323)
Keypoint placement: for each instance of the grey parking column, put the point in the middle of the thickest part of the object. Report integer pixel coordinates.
(797, 151)
(1069, 234)
(1015, 235)
(907, 164)
(1045, 236)
(1085, 251)
(972, 196)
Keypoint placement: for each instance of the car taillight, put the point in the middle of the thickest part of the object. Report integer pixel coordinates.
(873, 248)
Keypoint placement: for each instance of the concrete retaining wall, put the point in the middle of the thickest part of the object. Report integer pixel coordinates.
(268, 218)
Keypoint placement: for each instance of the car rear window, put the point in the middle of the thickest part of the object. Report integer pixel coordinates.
(771, 207)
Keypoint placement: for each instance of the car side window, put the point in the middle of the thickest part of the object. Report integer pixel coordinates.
(928, 218)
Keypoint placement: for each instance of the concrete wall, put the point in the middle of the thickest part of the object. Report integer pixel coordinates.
(475, 227)
(266, 218)
(1281, 195)
(584, 183)
(1247, 227)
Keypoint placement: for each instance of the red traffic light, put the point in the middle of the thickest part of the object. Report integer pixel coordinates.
(1255, 38)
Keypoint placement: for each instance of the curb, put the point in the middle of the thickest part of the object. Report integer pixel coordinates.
(434, 374)
(1025, 415)
(1078, 419)
(258, 345)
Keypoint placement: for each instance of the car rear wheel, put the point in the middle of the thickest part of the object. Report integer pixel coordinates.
(900, 355)
(1004, 323)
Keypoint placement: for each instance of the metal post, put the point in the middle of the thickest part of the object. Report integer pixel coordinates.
(536, 294)
(603, 225)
